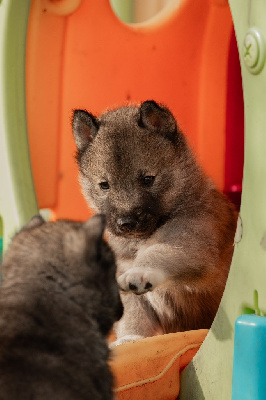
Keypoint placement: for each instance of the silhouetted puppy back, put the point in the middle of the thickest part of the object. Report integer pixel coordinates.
(58, 302)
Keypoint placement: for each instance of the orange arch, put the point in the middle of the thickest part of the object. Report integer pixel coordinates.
(90, 59)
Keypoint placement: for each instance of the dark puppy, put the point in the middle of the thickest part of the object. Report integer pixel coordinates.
(171, 230)
(58, 302)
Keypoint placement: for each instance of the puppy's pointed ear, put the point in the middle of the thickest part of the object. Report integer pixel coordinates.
(37, 220)
(158, 119)
(85, 126)
(94, 228)
(85, 243)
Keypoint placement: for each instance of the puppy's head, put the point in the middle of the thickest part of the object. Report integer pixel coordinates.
(71, 257)
(131, 165)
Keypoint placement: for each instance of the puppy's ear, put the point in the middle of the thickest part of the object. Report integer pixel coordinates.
(85, 126)
(85, 243)
(94, 228)
(37, 220)
(158, 119)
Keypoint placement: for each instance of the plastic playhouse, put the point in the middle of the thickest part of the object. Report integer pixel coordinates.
(201, 58)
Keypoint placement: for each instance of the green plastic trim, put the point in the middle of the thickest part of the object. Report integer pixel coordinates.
(246, 309)
(123, 9)
(17, 194)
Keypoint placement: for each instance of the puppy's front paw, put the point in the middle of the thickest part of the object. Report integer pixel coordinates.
(140, 281)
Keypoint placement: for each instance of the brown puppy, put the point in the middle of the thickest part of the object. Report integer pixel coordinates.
(58, 301)
(171, 230)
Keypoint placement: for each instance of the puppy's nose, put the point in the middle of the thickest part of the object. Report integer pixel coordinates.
(126, 224)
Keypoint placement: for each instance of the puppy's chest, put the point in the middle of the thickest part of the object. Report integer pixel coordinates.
(125, 252)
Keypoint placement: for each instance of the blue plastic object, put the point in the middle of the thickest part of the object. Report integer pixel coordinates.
(249, 366)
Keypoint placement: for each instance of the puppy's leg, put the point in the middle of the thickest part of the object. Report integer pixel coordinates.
(149, 270)
(158, 263)
(138, 321)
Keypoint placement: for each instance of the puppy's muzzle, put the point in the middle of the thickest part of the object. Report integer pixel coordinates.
(137, 224)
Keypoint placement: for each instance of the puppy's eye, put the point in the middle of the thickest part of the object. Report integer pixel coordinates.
(104, 186)
(148, 180)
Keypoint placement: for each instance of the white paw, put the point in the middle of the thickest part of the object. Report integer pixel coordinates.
(125, 339)
(139, 280)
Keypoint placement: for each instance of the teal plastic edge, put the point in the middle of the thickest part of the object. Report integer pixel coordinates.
(17, 195)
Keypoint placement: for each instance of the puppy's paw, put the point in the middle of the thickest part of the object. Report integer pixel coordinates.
(139, 280)
(125, 339)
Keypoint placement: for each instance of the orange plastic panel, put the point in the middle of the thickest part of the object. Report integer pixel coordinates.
(92, 60)
(43, 90)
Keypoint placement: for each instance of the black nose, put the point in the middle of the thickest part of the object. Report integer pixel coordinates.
(126, 224)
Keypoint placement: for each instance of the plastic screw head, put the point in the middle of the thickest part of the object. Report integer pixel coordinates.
(254, 51)
(251, 51)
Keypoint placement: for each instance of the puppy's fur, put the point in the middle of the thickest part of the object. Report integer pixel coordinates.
(171, 230)
(58, 302)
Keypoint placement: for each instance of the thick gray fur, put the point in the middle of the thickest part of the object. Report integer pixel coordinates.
(172, 231)
(58, 302)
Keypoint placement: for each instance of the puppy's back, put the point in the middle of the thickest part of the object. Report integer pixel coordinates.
(52, 338)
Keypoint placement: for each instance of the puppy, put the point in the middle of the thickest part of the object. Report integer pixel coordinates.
(58, 302)
(172, 231)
